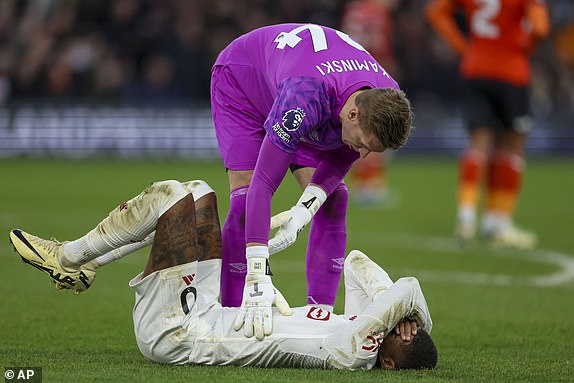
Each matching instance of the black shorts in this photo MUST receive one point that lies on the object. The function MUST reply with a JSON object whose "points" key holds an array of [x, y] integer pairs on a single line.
{"points": [[497, 105]]}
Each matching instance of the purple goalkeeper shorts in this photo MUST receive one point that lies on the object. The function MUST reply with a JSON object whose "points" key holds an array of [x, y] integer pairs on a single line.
{"points": [[239, 126]]}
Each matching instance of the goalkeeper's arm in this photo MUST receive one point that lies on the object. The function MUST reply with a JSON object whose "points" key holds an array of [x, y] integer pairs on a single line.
{"points": [[329, 174]]}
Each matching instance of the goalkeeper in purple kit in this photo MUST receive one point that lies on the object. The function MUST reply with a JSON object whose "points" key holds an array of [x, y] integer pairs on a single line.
{"points": [[307, 98]]}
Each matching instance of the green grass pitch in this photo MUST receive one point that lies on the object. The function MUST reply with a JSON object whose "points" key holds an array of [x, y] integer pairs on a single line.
{"points": [[499, 316]]}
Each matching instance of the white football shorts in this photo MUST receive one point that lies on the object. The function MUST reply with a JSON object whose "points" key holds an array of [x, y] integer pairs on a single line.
{"points": [[169, 305]]}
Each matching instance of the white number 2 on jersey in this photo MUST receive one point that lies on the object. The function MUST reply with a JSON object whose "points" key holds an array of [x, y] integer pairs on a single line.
{"points": [[482, 22], [317, 36]]}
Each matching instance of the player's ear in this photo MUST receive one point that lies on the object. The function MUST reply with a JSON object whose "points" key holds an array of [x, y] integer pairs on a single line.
{"points": [[353, 113], [388, 363]]}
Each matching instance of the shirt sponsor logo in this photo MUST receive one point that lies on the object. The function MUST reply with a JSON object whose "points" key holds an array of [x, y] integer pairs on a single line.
{"points": [[281, 133], [293, 118], [317, 313]]}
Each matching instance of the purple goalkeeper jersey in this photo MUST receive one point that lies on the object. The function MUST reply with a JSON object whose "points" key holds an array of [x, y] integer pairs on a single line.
{"points": [[297, 77], [300, 76]]}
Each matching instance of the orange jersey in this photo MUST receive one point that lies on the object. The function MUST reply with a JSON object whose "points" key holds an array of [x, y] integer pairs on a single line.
{"points": [[501, 34]]}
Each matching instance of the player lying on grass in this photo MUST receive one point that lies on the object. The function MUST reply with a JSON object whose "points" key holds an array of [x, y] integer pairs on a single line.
{"points": [[178, 319]]}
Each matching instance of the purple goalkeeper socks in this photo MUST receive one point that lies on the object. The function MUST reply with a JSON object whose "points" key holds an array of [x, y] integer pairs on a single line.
{"points": [[326, 248], [234, 264]]}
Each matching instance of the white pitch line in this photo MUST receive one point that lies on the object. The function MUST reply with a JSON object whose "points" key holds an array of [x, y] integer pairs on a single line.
{"points": [[461, 277], [563, 261], [564, 276]]}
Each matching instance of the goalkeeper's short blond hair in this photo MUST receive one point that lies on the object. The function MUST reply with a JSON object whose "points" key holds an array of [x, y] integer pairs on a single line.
{"points": [[386, 113]]}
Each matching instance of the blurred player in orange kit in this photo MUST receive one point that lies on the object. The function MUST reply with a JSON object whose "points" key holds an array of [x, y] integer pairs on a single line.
{"points": [[369, 22], [495, 64]]}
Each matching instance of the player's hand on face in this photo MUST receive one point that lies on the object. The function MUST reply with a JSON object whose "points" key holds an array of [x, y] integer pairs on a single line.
{"points": [[406, 329], [255, 314]]}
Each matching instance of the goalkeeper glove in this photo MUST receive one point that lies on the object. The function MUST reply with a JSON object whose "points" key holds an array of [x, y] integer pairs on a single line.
{"points": [[255, 315], [290, 223]]}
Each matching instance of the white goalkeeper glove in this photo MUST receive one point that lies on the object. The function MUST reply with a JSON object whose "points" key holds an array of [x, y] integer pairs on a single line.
{"points": [[290, 223], [259, 294]]}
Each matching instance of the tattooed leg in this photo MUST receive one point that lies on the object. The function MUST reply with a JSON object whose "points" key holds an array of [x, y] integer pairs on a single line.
{"points": [[176, 237], [207, 277], [185, 233], [208, 230]]}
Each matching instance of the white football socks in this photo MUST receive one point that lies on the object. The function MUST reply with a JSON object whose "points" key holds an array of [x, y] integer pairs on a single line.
{"points": [[494, 222], [466, 214], [123, 251]]}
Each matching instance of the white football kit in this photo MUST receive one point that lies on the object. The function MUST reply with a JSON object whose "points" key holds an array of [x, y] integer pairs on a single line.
{"points": [[178, 320]]}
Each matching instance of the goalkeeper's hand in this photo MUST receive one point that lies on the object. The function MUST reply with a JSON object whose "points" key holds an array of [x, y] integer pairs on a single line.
{"points": [[291, 223], [259, 294]]}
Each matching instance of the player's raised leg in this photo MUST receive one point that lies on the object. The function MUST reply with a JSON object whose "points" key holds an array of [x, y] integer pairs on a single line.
{"points": [[68, 263], [197, 188]]}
